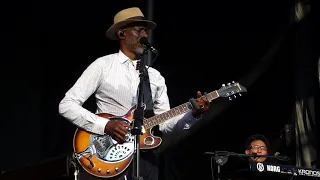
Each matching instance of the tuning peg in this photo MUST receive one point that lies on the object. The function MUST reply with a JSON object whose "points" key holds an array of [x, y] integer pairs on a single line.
{"points": [[223, 85], [229, 83], [233, 82], [240, 94], [234, 96], [230, 98]]}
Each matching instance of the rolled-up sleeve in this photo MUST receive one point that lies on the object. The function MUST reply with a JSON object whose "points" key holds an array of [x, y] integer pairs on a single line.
{"points": [[178, 123]]}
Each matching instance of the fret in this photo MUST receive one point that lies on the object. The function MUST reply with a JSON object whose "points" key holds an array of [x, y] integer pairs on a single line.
{"points": [[149, 124], [179, 109], [212, 95], [176, 110], [163, 116], [170, 114], [167, 115], [186, 107]]}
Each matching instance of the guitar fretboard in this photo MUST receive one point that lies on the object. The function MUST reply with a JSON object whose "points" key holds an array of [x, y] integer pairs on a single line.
{"points": [[176, 111]]}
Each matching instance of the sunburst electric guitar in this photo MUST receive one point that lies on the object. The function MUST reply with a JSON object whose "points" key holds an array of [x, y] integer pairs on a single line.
{"points": [[102, 156]]}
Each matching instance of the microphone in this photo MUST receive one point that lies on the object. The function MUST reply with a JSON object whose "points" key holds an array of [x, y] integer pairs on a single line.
{"points": [[144, 41]]}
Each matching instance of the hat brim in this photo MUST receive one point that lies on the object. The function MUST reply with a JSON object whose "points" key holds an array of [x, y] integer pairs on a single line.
{"points": [[111, 33]]}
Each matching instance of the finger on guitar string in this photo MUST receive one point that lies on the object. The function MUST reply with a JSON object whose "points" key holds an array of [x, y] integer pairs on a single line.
{"points": [[113, 125], [125, 126], [199, 94], [122, 130], [118, 129], [203, 104], [118, 137]]}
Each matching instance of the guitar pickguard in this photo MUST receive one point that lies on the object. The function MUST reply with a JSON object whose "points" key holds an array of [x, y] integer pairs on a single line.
{"points": [[107, 149], [118, 152]]}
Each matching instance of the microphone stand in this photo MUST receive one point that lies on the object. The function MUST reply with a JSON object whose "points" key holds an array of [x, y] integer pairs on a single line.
{"points": [[138, 117], [231, 154]]}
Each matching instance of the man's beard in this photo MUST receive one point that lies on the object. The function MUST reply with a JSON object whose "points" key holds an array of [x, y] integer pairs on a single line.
{"points": [[135, 46], [138, 51]]}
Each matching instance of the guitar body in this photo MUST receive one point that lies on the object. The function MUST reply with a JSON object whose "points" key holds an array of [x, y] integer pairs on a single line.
{"points": [[102, 156]]}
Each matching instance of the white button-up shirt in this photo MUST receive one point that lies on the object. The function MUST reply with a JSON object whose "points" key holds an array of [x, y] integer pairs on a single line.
{"points": [[114, 80]]}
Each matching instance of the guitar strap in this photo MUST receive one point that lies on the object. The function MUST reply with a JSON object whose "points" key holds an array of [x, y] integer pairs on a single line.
{"points": [[147, 96]]}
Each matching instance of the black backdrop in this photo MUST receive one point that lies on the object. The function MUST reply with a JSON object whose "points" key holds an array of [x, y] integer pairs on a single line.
{"points": [[201, 46]]}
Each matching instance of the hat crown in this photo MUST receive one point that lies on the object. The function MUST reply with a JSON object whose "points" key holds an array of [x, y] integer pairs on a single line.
{"points": [[126, 17], [126, 14]]}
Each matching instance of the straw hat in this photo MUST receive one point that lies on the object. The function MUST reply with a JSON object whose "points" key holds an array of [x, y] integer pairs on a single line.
{"points": [[126, 17]]}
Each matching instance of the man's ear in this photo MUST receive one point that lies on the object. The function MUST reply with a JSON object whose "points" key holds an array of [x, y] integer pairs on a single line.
{"points": [[121, 34], [247, 151]]}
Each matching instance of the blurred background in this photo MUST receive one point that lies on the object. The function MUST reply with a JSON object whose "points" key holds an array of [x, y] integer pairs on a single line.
{"points": [[270, 47]]}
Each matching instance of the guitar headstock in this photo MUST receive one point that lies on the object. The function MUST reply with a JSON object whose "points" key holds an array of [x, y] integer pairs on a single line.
{"points": [[231, 90]]}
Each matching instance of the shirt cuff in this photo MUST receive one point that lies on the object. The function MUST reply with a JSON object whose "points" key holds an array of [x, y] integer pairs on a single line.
{"points": [[198, 117], [191, 118], [100, 125]]}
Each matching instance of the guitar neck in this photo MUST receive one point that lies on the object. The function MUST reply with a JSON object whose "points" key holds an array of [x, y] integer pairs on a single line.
{"points": [[176, 111]]}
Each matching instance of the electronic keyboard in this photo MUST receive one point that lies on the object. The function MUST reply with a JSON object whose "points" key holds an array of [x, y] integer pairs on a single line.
{"points": [[284, 169]]}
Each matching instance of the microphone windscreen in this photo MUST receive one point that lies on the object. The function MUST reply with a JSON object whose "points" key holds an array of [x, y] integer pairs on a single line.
{"points": [[144, 41]]}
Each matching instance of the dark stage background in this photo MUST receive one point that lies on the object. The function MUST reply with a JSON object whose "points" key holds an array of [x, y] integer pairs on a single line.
{"points": [[47, 45]]}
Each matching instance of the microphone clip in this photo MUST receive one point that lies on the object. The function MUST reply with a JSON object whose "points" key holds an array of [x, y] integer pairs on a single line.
{"points": [[144, 41]]}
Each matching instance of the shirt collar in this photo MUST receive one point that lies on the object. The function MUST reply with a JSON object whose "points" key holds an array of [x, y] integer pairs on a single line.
{"points": [[123, 58]]}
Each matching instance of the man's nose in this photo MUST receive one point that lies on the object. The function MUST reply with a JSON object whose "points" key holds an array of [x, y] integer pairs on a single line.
{"points": [[144, 34], [259, 150]]}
